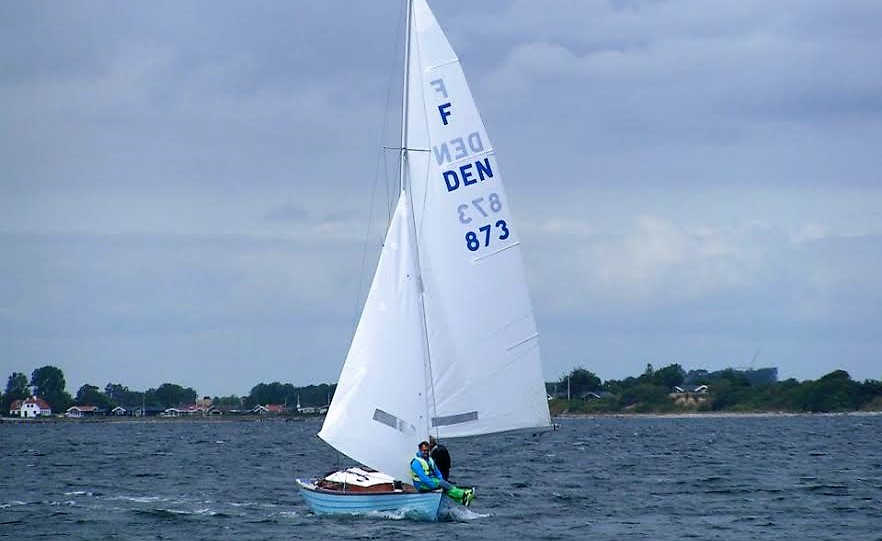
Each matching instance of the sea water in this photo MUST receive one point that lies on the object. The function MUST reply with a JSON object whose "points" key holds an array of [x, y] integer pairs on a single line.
{"points": [[732, 478]]}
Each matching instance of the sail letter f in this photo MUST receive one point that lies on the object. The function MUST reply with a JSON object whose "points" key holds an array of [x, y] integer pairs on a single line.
{"points": [[439, 87], [443, 110]]}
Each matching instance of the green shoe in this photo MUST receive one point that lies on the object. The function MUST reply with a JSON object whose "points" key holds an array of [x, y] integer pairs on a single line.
{"points": [[468, 496]]}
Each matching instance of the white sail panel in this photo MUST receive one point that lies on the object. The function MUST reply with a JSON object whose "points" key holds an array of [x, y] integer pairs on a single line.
{"points": [[379, 412], [483, 343]]}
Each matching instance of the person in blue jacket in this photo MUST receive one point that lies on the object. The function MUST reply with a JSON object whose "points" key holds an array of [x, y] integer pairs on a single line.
{"points": [[425, 475]]}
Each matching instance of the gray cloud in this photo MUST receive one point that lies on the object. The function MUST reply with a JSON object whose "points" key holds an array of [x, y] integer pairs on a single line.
{"points": [[287, 213], [691, 182]]}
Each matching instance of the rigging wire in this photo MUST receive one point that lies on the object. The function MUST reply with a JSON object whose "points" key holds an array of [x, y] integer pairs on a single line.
{"points": [[381, 160]]}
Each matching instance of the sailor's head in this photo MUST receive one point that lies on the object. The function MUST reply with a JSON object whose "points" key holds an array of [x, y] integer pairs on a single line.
{"points": [[424, 448], [432, 442]]}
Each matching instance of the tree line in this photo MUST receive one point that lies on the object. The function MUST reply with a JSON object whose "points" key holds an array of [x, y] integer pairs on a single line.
{"points": [[730, 390], [579, 391], [49, 384]]}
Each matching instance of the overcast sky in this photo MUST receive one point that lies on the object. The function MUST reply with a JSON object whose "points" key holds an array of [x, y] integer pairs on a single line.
{"points": [[185, 187]]}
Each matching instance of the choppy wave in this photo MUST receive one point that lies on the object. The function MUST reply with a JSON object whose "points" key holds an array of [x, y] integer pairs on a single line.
{"points": [[139, 499], [161, 513], [730, 478]]}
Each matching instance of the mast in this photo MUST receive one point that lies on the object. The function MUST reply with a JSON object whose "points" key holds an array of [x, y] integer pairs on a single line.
{"points": [[406, 188], [405, 94]]}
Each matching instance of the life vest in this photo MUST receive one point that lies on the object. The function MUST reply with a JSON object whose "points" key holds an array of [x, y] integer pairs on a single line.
{"points": [[428, 468]]}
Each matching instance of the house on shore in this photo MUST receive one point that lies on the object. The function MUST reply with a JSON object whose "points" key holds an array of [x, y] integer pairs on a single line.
{"points": [[30, 408], [79, 412], [190, 410], [149, 411], [230, 410], [697, 397], [312, 410], [270, 409]]}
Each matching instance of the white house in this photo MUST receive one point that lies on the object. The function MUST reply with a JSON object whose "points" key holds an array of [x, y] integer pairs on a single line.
{"points": [[272, 409], [82, 411], [310, 410], [30, 407], [189, 410]]}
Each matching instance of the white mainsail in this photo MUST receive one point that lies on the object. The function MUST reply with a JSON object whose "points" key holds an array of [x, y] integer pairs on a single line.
{"points": [[447, 343], [483, 343]]}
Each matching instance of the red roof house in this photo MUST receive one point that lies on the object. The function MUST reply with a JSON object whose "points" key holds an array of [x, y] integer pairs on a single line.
{"points": [[30, 407]]}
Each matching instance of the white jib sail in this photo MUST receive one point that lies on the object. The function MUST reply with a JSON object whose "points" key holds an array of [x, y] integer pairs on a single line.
{"points": [[485, 363], [379, 411]]}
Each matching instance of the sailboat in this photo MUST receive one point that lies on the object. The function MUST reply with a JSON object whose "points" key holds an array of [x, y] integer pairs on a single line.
{"points": [[447, 343]]}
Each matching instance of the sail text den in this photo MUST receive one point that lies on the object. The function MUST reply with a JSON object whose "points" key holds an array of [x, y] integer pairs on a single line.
{"points": [[468, 174]]}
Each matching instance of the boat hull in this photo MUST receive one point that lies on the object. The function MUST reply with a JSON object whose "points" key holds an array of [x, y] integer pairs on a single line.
{"points": [[417, 505]]}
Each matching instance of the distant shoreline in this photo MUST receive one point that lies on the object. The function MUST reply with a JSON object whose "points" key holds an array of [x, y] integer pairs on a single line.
{"points": [[157, 419], [717, 414], [301, 418]]}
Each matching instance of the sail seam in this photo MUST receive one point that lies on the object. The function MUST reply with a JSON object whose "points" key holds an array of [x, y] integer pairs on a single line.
{"points": [[522, 342], [470, 158], [441, 65], [504, 248], [408, 149]]}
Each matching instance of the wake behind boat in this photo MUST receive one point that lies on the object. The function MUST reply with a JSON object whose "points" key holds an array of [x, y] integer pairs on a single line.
{"points": [[447, 343]]}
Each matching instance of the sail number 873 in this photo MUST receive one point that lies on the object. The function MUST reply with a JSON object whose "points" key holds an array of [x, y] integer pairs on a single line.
{"points": [[473, 240]]}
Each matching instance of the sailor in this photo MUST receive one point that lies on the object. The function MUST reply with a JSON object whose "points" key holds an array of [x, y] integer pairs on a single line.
{"points": [[425, 475], [441, 457]]}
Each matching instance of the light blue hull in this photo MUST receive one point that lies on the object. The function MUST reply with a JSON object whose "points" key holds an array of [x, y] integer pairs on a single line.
{"points": [[422, 505]]}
